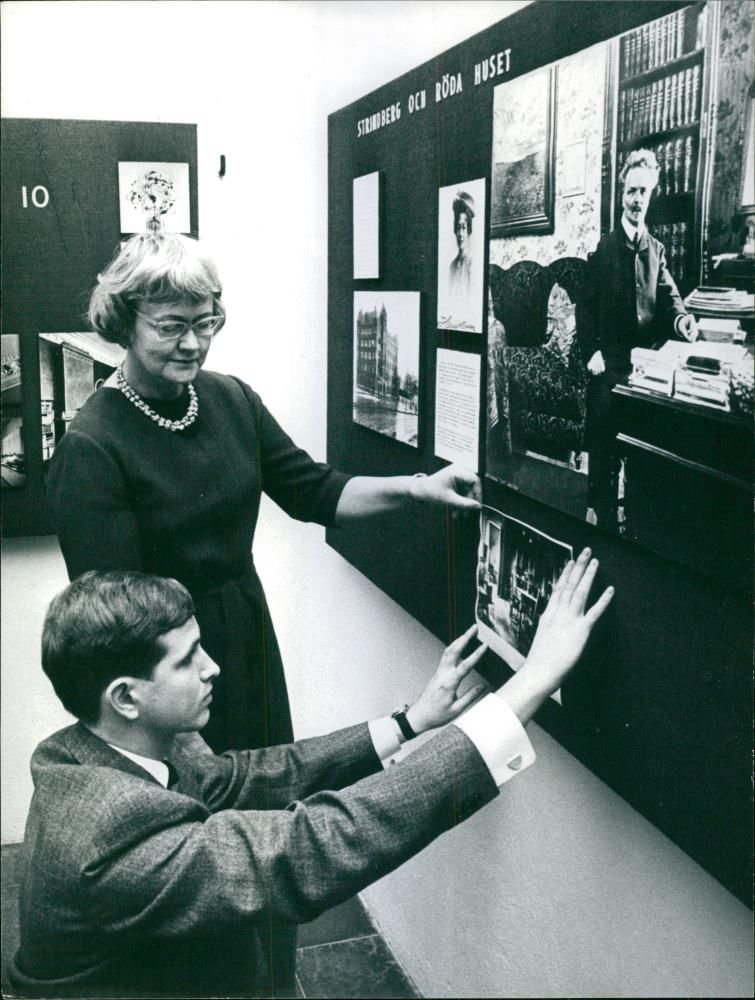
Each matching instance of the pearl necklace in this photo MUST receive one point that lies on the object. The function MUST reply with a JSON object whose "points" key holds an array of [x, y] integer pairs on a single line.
{"points": [[171, 425]]}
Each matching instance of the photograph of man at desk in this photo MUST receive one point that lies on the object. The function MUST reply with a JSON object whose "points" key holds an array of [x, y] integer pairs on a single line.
{"points": [[631, 300], [621, 373]]}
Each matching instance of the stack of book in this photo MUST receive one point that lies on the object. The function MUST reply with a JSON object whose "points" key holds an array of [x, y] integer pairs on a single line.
{"points": [[652, 371], [720, 330], [694, 382], [719, 300], [696, 373]]}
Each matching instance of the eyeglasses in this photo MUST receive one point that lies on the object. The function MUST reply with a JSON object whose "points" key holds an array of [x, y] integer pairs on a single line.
{"points": [[174, 329]]}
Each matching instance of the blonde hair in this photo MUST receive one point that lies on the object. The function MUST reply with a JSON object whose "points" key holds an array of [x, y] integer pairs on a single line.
{"points": [[640, 158], [155, 267]]}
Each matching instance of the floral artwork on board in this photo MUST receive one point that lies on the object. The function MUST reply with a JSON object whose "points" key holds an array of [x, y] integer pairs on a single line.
{"points": [[154, 197]]}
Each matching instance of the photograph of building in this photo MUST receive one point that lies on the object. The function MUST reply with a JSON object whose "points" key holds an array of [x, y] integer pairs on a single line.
{"points": [[386, 363], [377, 352]]}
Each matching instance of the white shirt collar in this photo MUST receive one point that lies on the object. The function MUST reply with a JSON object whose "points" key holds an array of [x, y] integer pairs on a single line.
{"points": [[157, 768], [630, 230]]}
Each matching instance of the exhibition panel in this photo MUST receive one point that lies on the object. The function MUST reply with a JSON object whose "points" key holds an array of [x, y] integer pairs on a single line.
{"points": [[508, 168]]}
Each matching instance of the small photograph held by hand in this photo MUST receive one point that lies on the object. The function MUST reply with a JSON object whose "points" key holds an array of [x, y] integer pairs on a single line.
{"points": [[517, 568]]}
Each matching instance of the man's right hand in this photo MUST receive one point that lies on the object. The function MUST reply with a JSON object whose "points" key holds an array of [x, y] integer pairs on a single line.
{"points": [[440, 702], [596, 365], [561, 636]]}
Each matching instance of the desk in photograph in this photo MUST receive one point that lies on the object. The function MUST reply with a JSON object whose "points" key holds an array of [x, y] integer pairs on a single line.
{"points": [[688, 482]]}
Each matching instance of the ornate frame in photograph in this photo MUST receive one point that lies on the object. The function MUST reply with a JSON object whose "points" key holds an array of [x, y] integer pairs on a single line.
{"points": [[523, 190]]}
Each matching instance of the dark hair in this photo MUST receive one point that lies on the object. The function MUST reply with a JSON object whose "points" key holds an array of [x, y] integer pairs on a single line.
{"points": [[463, 203], [104, 625], [155, 267], [461, 208]]}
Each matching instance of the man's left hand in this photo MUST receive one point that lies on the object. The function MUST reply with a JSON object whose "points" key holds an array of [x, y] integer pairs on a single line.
{"points": [[453, 486]]}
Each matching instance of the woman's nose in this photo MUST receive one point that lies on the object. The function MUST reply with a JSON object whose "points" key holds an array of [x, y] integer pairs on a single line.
{"points": [[189, 341]]}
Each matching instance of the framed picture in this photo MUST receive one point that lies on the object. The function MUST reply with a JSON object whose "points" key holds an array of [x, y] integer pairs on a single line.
{"points": [[574, 168], [517, 569], [367, 225], [524, 150], [154, 197], [461, 256], [386, 363]]}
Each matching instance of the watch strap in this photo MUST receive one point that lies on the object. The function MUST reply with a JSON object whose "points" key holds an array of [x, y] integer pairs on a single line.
{"points": [[403, 723]]}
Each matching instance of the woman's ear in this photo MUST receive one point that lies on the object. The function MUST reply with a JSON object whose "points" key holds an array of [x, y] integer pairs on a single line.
{"points": [[119, 695]]}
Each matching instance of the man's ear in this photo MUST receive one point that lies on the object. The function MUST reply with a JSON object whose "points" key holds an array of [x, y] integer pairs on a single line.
{"points": [[119, 695]]}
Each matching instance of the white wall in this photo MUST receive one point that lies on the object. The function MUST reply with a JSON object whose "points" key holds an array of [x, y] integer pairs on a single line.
{"points": [[558, 888], [33, 571]]}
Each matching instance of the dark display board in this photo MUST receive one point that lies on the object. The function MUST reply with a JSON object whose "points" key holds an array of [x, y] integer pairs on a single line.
{"points": [[61, 225], [660, 709]]}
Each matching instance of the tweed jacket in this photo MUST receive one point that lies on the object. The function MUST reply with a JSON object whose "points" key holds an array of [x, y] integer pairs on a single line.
{"points": [[131, 889], [631, 299]]}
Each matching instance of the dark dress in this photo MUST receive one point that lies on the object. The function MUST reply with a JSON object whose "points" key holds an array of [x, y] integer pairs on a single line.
{"points": [[128, 494]]}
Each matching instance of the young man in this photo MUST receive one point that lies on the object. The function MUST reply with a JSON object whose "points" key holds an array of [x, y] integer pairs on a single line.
{"points": [[156, 868], [631, 301]]}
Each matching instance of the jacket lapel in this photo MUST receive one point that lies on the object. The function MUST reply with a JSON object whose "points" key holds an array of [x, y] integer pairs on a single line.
{"points": [[86, 748]]}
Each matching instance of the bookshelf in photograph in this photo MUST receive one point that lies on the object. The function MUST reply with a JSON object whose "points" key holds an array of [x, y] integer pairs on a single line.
{"points": [[662, 94]]}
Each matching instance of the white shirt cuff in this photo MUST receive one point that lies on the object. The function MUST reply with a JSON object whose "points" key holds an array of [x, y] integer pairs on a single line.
{"points": [[499, 736], [384, 733]]}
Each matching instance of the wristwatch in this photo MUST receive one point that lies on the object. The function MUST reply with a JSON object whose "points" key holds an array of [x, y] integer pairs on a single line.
{"points": [[403, 723]]}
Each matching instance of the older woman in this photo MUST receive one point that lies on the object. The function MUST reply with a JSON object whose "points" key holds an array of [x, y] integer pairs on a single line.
{"points": [[162, 470]]}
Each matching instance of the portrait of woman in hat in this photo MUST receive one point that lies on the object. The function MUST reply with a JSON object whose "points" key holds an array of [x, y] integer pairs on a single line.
{"points": [[460, 301], [460, 270]]}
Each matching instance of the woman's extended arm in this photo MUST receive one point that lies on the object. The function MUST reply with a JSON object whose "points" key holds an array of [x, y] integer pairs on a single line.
{"points": [[453, 486]]}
